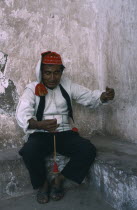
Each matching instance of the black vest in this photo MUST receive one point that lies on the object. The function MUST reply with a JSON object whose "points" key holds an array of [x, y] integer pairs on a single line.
{"points": [[41, 105]]}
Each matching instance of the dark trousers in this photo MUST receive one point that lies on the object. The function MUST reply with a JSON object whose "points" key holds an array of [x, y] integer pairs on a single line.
{"points": [[68, 143]]}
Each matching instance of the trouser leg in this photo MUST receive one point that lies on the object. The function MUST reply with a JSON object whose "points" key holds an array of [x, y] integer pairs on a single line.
{"points": [[34, 151], [81, 152]]}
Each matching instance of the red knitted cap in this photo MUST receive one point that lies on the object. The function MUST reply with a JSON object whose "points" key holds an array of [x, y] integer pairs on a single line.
{"points": [[51, 58]]}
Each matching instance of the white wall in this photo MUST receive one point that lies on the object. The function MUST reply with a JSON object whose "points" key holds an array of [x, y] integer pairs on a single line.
{"points": [[118, 26]]}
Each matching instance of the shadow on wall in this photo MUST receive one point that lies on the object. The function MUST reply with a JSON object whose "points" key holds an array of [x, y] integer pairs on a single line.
{"points": [[8, 93]]}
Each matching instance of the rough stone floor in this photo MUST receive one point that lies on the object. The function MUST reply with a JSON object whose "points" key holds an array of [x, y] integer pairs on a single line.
{"points": [[80, 198]]}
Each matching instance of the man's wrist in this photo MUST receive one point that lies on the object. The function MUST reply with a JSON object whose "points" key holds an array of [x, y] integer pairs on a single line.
{"points": [[104, 100], [34, 124]]}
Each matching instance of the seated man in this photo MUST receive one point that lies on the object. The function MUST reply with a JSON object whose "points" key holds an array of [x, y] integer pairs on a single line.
{"points": [[44, 111]]}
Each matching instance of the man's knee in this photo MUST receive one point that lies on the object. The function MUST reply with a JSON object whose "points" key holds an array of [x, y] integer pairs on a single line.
{"points": [[91, 150], [28, 153], [88, 149]]}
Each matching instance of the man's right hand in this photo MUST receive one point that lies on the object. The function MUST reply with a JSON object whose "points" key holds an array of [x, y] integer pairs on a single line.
{"points": [[48, 125]]}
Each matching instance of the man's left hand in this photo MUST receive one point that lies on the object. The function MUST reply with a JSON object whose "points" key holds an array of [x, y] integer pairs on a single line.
{"points": [[108, 95]]}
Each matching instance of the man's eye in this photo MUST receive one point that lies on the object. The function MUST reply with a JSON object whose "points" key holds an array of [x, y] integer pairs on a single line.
{"points": [[47, 73], [57, 72]]}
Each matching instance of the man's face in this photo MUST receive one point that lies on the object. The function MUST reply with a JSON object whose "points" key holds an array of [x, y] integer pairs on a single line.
{"points": [[51, 75]]}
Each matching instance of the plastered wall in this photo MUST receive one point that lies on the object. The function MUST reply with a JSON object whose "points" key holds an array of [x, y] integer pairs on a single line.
{"points": [[118, 26], [97, 41]]}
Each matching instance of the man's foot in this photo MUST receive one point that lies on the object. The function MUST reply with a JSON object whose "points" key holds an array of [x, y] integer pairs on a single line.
{"points": [[42, 197], [43, 194], [57, 190]]}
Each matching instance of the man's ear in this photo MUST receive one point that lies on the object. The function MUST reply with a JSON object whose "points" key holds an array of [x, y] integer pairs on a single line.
{"points": [[62, 68]]}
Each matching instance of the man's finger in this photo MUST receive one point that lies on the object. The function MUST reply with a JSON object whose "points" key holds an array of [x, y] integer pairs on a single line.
{"points": [[110, 96], [53, 129], [108, 89], [50, 122], [110, 93], [51, 126]]}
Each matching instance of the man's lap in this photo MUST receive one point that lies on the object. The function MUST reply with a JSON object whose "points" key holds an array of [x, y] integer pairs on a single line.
{"points": [[67, 142]]}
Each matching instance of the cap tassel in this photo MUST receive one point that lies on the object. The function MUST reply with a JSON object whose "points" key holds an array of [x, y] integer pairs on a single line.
{"points": [[55, 166]]}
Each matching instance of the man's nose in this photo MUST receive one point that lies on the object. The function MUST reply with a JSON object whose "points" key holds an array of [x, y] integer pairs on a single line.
{"points": [[52, 76]]}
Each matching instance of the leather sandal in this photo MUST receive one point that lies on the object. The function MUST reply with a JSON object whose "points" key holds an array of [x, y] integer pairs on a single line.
{"points": [[56, 193], [42, 197]]}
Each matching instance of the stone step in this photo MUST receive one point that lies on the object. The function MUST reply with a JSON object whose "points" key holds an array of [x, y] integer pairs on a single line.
{"points": [[114, 173], [82, 198], [14, 177]]}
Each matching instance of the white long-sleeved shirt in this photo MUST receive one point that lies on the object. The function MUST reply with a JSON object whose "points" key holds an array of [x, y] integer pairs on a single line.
{"points": [[55, 104]]}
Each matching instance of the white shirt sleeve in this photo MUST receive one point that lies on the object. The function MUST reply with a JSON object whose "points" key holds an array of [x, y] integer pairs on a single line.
{"points": [[26, 109], [85, 96]]}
